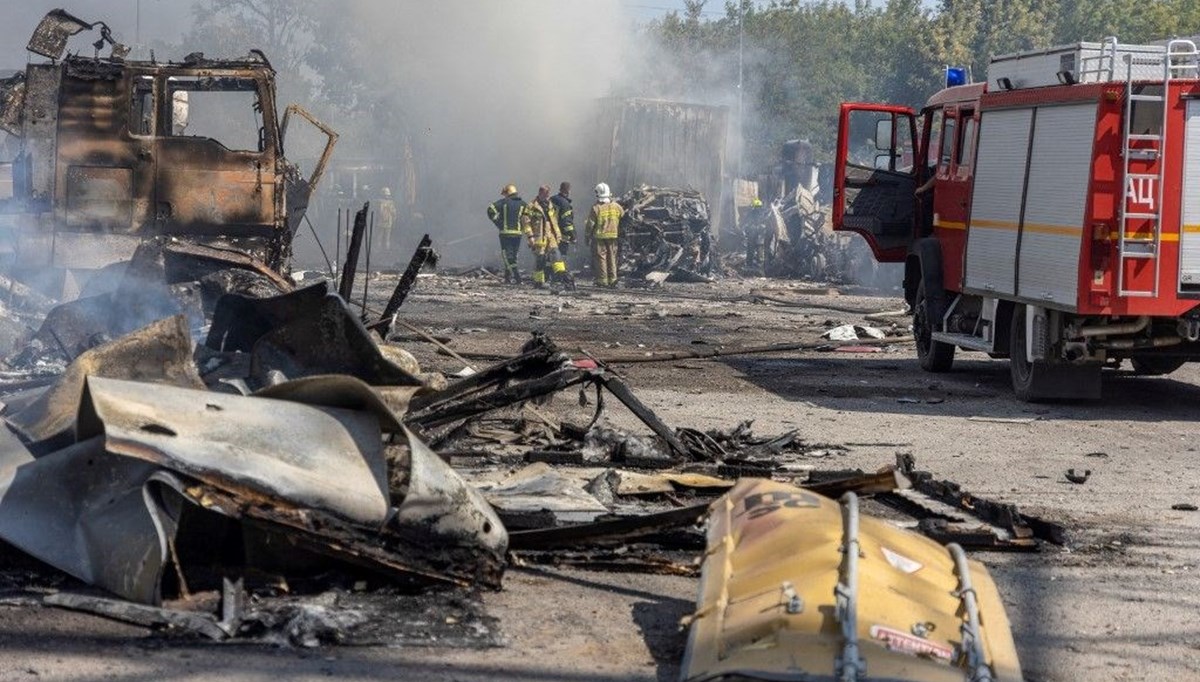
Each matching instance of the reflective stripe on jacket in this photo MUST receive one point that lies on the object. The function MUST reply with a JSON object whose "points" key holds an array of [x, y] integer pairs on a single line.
{"points": [[603, 220], [505, 214], [566, 214], [541, 225]]}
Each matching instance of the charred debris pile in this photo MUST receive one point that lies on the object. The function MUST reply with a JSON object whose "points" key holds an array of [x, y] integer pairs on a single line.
{"points": [[207, 448]]}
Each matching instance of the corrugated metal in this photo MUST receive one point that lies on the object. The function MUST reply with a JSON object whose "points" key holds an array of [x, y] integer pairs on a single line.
{"points": [[996, 203], [666, 144], [1189, 227], [1052, 231]]}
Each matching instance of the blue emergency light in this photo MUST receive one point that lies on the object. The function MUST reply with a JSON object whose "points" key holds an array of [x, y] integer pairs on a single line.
{"points": [[955, 75]]}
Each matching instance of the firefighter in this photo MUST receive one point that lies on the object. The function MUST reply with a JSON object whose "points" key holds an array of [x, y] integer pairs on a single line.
{"points": [[540, 221], [387, 217], [601, 233], [756, 237], [506, 213], [566, 217]]}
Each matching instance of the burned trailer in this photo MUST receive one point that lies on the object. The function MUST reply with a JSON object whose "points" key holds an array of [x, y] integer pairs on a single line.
{"points": [[112, 151]]}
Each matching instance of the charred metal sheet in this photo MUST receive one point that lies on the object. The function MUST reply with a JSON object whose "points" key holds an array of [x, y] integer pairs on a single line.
{"points": [[538, 496], [12, 101], [203, 624], [611, 531], [336, 390], [796, 587], [1001, 514], [238, 322], [439, 506], [350, 268], [160, 352], [50, 37], [176, 252], [87, 514], [305, 333], [424, 255], [323, 458]]}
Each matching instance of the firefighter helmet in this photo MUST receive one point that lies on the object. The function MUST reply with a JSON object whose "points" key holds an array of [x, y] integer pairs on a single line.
{"points": [[508, 189], [603, 192]]}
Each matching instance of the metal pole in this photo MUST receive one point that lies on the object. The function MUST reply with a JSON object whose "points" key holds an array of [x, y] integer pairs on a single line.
{"points": [[741, 72], [137, 28]]}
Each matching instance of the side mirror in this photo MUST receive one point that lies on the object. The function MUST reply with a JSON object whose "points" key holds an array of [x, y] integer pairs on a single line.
{"points": [[883, 134], [883, 162]]}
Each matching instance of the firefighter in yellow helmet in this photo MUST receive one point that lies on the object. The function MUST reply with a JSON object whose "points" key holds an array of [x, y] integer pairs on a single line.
{"points": [[601, 231], [506, 214], [540, 221]]}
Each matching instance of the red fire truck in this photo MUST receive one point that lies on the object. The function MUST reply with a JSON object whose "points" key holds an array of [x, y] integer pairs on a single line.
{"points": [[1052, 215]]}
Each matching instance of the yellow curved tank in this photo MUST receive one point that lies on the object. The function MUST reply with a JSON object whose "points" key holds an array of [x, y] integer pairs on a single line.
{"points": [[785, 596]]}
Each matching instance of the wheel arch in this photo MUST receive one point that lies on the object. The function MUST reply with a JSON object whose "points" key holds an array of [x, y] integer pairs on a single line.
{"points": [[924, 264]]}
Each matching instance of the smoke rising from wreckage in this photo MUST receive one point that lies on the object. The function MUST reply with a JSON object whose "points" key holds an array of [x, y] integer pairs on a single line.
{"points": [[201, 444]]}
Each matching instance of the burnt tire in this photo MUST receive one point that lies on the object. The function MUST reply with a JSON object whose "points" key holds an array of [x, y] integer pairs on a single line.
{"points": [[934, 356], [1037, 380], [1155, 365]]}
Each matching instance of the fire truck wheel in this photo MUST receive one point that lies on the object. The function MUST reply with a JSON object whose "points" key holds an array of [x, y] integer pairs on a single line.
{"points": [[1155, 365], [934, 356], [1037, 380]]}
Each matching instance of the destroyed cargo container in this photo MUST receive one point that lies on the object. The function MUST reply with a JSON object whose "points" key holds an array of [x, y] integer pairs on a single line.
{"points": [[664, 144], [105, 152]]}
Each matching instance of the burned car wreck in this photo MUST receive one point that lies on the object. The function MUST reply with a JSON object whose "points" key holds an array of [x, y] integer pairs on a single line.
{"points": [[105, 152]]}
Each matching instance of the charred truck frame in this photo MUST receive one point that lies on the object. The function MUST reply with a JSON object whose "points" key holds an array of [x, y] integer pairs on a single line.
{"points": [[110, 152], [1058, 217]]}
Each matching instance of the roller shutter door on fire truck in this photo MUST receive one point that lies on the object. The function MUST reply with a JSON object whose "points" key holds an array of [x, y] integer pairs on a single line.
{"points": [[1028, 205], [1189, 239]]}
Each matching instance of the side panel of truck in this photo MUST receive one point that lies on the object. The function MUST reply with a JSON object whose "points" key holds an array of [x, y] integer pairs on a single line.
{"points": [[996, 211], [1052, 227], [1189, 238]]}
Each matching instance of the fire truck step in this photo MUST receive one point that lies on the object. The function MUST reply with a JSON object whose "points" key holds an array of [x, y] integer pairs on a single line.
{"points": [[966, 341], [1138, 254], [1146, 138], [1141, 216], [1143, 154], [1146, 98]]}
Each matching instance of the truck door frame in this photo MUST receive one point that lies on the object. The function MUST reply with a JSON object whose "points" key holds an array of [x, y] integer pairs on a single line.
{"points": [[884, 197]]}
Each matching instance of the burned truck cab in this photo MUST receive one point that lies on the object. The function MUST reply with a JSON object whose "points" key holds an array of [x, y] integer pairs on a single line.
{"points": [[111, 152]]}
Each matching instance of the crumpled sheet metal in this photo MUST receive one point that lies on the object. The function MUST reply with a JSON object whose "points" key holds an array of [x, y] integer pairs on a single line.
{"points": [[49, 39], [159, 352], [86, 513], [306, 332], [766, 609], [105, 509], [318, 457]]}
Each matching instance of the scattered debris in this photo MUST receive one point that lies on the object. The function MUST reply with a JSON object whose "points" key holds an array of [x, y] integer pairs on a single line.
{"points": [[666, 236], [853, 332], [1078, 478], [1184, 506]]}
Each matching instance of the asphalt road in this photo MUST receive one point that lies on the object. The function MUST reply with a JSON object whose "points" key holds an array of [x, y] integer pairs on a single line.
{"points": [[1118, 604]]}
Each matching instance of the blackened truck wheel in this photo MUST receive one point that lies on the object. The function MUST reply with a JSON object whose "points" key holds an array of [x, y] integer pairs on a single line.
{"points": [[934, 356]]}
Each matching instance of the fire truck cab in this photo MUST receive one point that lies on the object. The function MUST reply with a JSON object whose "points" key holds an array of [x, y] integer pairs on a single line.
{"points": [[1050, 215]]}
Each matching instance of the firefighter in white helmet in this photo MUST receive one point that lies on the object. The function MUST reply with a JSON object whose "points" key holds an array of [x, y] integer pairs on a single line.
{"points": [[601, 232]]}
